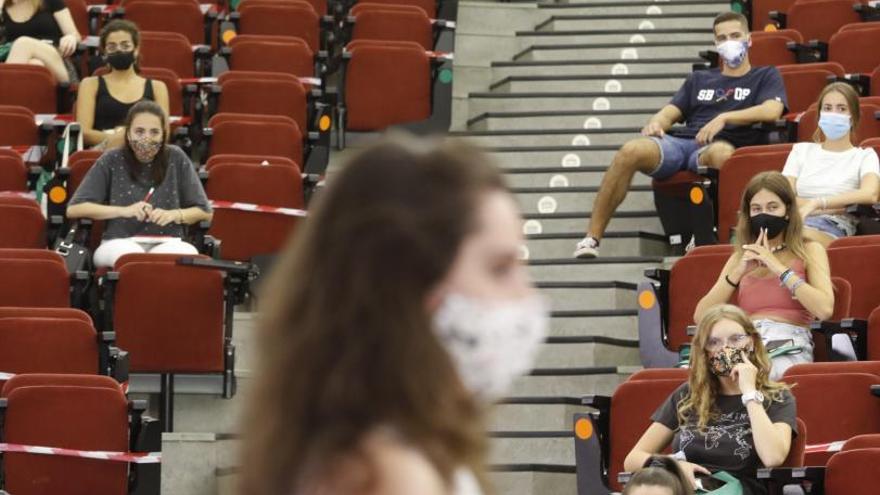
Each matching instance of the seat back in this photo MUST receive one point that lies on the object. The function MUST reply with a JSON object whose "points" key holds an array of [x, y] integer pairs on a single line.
{"points": [[631, 408], [29, 86], [874, 329], [875, 81], [836, 367], [80, 163], [246, 234], [386, 85], [853, 472], [711, 249], [803, 85], [249, 160], [80, 13], [261, 137], [761, 12], [73, 417], [870, 441], [797, 451], [172, 82], [319, 6], [58, 379], [166, 50], [374, 22], [17, 127], [13, 172], [33, 278], [771, 49], [22, 226], [284, 54], [297, 19], [857, 411], [680, 374], [428, 6], [169, 16], [820, 19], [732, 180], [264, 93], [849, 263], [47, 345], [855, 49], [858, 240], [187, 335], [690, 279]]}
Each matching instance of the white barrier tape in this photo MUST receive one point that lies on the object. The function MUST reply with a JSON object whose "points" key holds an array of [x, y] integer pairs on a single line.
{"points": [[6, 376], [314, 81], [824, 447], [132, 457], [231, 205]]}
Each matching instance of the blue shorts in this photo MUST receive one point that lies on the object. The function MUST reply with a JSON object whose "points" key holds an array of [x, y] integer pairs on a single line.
{"points": [[825, 225], [676, 155]]}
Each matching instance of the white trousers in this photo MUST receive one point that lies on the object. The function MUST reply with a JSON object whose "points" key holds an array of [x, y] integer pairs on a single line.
{"points": [[111, 250]]}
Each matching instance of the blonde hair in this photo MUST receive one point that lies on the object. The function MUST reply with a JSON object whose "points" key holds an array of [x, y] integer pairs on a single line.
{"points": [[852, 101], [704, 386], [793, 235]]}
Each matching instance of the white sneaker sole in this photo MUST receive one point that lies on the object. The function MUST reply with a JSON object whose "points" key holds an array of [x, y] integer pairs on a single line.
{"points": [[586, 252]]}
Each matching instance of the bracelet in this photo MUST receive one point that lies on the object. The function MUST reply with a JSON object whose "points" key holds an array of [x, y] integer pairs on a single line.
{"points": [[784, 275], [735, 286], [180, 212], [794, 286]]}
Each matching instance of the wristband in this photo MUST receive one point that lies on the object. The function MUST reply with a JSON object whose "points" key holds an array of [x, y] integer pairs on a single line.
{"points": [[735, 286], [784, 275], [794, 286]]}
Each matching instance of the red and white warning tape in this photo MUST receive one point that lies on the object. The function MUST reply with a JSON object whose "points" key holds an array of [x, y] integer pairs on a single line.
{"points": [[824, 447], [232, 205], [132, 457], [6, 376], [18, 194]]}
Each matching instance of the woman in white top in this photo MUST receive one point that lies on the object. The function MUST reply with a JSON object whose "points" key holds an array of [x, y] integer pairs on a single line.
{"points": [[376, 370], [832, 173]]}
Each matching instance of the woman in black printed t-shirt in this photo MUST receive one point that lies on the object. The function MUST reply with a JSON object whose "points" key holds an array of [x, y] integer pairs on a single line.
{"points": [[728, 416], [28, 24]]}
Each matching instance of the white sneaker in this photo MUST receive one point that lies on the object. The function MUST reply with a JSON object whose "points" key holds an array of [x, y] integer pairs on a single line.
{"points": [[690, 245], [587, 248]]}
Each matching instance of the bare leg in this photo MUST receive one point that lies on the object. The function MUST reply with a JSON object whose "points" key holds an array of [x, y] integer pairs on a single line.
{"points": [[822, 238], [638, 155], [716, 154], [27, 50]]}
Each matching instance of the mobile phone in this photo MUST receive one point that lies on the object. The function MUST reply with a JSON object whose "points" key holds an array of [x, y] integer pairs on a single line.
{"points": [[708, 483], [776, 344]]}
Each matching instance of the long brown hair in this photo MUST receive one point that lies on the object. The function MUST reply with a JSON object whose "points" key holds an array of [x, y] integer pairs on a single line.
{"points": [[346, 343], [793, 235], [160, 164], [124, 26], [852, 101], [704, 386]]}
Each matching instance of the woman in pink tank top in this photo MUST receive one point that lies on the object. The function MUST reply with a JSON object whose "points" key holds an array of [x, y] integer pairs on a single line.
{"points": [[775, 275]]}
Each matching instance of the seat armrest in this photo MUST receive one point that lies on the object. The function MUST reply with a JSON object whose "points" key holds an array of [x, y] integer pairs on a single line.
{"points": [[867, 12], [875, 390], [658, 274], [811, 51], [779, 18], [856, 329], [783, 476]]}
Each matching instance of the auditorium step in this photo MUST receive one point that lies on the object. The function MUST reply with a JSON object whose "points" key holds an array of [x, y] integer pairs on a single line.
{"points": [[571, 381], [597, 83], [560, 245], [551, 200], [649, 9], [573, 221], [522, 447], [536, 413], [559, 22], [623, 268], [632, 36], [564, 156], [564, 100], [613, 323], [534, 479], [562, 177], [623, 51], [572, 119], [574, 296], [607, 67]]}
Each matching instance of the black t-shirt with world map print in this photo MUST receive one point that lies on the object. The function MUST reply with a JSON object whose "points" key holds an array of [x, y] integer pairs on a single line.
{"points": [[727, 443]]}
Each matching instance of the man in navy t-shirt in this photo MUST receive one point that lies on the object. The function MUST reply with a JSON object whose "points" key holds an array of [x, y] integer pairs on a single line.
{"points": [[718, 108]]}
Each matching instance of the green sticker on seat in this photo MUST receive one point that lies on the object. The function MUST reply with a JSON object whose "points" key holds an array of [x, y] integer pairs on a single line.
{"points": [[736, 7], [446, 76]]}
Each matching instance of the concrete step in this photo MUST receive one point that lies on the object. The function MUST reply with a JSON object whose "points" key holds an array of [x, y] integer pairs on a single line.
{"points": [[535, 414], [602, 83], [190, 462], [625, 269], [551, 200], [649, 9], [622, 51], [579, 352], [551, 137], [613, 323], [613, 66], [551, 245], [535, 479], [562, 177], [556, 447], [570, 381], [618, 21], [580, 296], [559, 100], [508, 121], [576, 222], [573, 157], [632, 36]]}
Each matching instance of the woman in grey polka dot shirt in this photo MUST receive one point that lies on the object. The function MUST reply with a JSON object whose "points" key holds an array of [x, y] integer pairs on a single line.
{"points": [[146, 190]]}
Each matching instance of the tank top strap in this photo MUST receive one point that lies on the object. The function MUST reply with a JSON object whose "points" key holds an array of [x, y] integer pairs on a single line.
{"points": [[102, 87], [148, 90]]}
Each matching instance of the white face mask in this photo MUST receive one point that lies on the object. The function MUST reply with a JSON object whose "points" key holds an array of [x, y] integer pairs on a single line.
{"points": [[491, 344], [733, 52]]}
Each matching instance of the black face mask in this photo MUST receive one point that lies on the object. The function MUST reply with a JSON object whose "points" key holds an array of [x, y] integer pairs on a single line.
{"points": [[774, 225], [120, 60]]}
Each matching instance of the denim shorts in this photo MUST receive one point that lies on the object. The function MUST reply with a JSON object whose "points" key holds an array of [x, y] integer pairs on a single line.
{"points": [[676, 155], [774, 330], [825, 225]]}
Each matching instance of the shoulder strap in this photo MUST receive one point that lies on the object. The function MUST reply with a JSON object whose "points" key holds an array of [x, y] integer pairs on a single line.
{"points": [[148, 90], [102, 85]]}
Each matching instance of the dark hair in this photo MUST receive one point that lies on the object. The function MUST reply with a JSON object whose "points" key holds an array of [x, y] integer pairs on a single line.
{"points": [[852, 101], [660, 470], [121, 25], [160, 164], [347, 345], [731, 16]]}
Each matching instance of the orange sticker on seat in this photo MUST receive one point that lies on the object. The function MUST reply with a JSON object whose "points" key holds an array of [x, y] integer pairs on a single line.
{"points": [[583, 428], [647, 299]]}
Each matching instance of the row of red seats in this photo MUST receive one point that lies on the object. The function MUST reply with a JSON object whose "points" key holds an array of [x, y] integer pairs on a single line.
{"points": [[603, 439]]}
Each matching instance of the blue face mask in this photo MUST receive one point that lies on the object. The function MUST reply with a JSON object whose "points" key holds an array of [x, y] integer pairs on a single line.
{"points": [[733, 52], [834, 125]]}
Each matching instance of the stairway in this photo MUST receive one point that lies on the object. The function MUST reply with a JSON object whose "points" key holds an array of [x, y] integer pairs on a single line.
{"points": [[571, 83], [551, 90]]}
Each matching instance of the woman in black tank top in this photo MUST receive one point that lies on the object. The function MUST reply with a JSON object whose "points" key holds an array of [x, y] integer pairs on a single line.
{"points": [[104, 101]]}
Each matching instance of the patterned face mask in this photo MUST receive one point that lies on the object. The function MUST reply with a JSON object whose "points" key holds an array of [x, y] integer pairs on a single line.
{"points": [[144, 149], [491, 343], [723, 360]]}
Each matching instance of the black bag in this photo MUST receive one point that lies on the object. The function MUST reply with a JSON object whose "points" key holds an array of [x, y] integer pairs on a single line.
{"points": [[76, 256]]}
